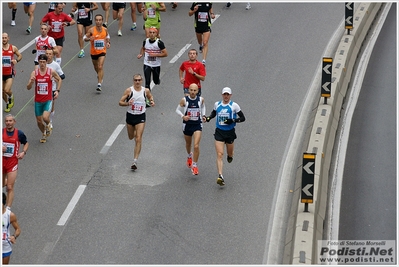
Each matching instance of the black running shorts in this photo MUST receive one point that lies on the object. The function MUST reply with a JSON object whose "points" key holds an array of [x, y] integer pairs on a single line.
{"points": [[117, 6], [135, 119], [225, 136], [189, 129]]}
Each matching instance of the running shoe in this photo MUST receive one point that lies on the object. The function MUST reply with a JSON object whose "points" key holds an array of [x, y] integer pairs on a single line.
{"points": [[7, 108], [220, 180], [119, 33], [174, 5], [48, 130], [248, 6], [203, 62], [189, 162], [13, 23], [81, 54], [134, 166], [98, 87], [105, 25], [51, 126], [228, 4], [200, 48], [194, 170], [29, 30], [134, 27], [43, 139], [229, 159], [11, 101]]}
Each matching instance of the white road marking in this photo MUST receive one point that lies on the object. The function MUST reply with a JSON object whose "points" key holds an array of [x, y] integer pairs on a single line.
{"points": [[27, 46], [71, 205], [175, 58], [112, 138], [181, 52]]}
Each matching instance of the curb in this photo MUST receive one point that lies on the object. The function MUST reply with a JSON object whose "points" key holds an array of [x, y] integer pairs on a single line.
{"points": [[306, 228]]}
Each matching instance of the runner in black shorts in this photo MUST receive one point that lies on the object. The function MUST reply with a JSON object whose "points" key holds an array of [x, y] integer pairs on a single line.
{"points": [[203, 13], [191, 109], [118, 8], [84, 21], [133, 99], [227, 114], [8, 68]]}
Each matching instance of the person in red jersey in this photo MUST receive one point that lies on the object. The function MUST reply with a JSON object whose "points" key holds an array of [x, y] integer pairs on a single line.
{"points": [[12, 140], [57, 20], [44, 77], [8, 70], [193, 70]]}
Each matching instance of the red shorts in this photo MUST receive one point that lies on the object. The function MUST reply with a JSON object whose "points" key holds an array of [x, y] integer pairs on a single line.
{"points": [[10, 164]]}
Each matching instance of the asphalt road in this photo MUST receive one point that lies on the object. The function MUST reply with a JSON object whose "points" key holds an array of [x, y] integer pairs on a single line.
{"points": [[369, 196], [161, 214]]}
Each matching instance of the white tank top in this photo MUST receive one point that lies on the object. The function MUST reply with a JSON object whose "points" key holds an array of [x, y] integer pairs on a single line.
{"points": [[152, 48], [138, 106], [6, 231]]}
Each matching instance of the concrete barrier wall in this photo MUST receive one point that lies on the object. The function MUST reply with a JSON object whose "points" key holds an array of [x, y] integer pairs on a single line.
{"points": [[306, 228]]}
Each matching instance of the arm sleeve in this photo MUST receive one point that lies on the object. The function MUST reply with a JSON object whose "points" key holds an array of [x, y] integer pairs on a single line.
{"points": [[203, 109], [241, 117], [213, 114], [180, 110]]}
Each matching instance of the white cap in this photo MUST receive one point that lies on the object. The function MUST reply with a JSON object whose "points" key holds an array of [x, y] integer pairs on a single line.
{"points": [[226, 90]]}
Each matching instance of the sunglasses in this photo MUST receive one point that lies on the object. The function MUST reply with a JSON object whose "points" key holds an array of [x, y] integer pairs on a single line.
{"points": [[137, 80]]}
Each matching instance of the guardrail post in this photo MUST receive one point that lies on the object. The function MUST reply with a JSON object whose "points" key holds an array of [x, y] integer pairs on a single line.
{"points": [[308, 167], [349, 16], [326, 78]]}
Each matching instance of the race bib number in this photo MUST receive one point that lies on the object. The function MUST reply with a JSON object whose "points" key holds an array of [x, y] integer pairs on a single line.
{"points": [[7, 61], [193, 113], [42, 89], [222, 117], [151, 13], [10, 148], [99, 44], [137, 107], [202, 16], [83, 14], [57, 26]]}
